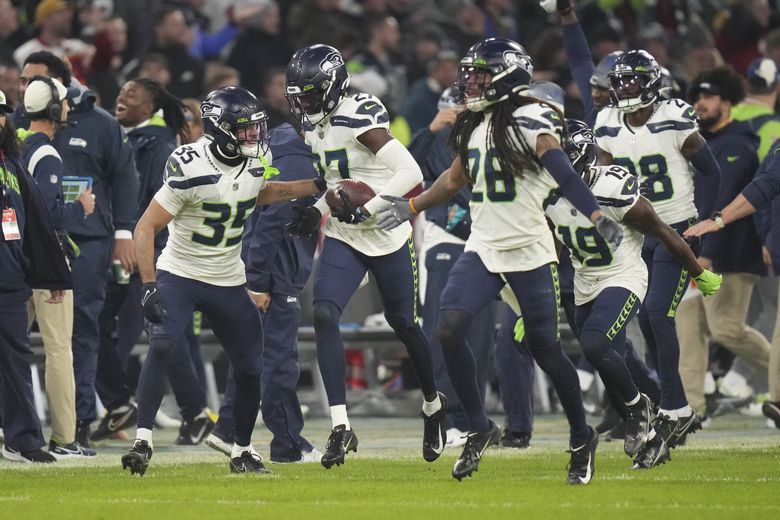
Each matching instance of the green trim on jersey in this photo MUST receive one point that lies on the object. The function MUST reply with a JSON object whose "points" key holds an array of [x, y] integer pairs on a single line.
{"points": [[415, 274], [625, 313], [557, 285], [682, 284]]}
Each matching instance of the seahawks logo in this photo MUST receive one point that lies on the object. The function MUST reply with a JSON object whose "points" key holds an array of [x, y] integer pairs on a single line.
{"points": [[210, 110], [331, 62], [515, 58]]}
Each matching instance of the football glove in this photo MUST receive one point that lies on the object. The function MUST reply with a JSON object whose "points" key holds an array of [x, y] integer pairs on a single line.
{"points": [[395, 214], [610, 230], [708, 282], [552, 6], [307, 221], [519, 330], [350, 213], [150, 300]]}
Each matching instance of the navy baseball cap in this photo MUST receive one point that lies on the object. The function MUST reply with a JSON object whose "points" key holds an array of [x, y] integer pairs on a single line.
{"points": [[762, 74]]}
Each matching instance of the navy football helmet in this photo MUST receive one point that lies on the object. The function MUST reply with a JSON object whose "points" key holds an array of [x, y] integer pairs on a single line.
{"points": [[634, 81], [548, 91], [316, 79], [492, 70], [580, 145], [599, 78], [234, 118]]}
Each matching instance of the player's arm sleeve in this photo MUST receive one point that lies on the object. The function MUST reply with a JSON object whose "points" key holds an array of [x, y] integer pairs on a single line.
{"points": [[406, 173], [766, 186], [269, 230], [62, 214], [124, 180], [581, 66]]}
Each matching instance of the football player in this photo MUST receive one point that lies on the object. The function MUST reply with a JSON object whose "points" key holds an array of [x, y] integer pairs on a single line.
{"points": [[509, 148], [609, 286], [657, 140], [349, 138], [209, 190]]}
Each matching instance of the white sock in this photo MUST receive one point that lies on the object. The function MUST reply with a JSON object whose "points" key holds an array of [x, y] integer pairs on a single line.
{"points": [[431, 407], [144, 434], [635, 400], [671, 414], [586, 379], [685, 411], [237, 450], [338, 415]]}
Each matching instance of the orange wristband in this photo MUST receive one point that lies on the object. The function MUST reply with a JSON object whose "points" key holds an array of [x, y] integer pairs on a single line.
{"points": [[411, 205]]}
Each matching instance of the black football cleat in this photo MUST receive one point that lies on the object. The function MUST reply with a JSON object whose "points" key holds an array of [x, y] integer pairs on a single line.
{"points": [[194, 431], [476, 444], [340, 442], [582, 464], [654, 453], [771, 409], [137, 459], [248, 462], [686, 426], [637, 425], [434, 434], [519, 440], [115, 421]]}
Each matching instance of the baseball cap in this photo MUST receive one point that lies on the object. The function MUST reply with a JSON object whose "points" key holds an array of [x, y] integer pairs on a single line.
{"points": [[38, 95], [762, 74], [706, 87], [4, 106], [48, 7]]}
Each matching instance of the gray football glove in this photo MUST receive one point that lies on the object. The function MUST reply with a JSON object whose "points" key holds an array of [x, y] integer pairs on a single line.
{"points": [[395, 214]]}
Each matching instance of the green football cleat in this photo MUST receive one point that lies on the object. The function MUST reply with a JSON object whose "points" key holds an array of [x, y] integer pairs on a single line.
{"points": [[708, 282]]}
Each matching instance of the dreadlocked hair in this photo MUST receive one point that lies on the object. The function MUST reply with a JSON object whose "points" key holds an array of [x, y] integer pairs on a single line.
{"points": [[172, 107], [514, 155]]}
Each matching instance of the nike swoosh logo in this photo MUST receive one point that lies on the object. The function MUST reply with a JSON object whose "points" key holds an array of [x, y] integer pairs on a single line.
{"points": [[370, 106], [194, 439], [732, 158], [588, 474], [441, 444], [630, 185], [114, 425]]}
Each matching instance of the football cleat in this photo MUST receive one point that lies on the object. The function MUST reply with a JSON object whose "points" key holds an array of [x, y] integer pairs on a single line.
{"points": [[137, 459], [434, 435], [637, 425], [314, 455], [28, 457], [340, 442], [192, 432], [74, 449], [675, 432], [520, 440], [115, 421], [582, 464], [771, 409], [476, 444], [215, 442], [248, 462], [654, 453]]}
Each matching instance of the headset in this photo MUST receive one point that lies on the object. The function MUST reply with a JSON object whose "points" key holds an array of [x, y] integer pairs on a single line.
{"points": [[53, 109]]}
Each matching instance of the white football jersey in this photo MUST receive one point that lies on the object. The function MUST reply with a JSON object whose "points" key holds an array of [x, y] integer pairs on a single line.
{"points": [[654, 151], [509, 231], [210, 203], [595, 266], [339, 155]]}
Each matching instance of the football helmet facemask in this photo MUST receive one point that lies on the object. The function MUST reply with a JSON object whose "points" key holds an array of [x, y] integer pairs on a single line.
{"points": [[316, 79], [580, 145], [634, 81], [235, 120], [492, 70]]}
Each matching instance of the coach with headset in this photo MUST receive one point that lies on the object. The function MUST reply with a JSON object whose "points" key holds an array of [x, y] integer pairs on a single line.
{"points": [[46, 106]]}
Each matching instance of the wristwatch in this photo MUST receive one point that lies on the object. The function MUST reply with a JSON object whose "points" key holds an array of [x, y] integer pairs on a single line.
{"points": [[716, 216]]}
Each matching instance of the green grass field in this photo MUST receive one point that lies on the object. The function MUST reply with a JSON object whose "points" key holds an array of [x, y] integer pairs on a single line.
{"points": [[732, 470]]}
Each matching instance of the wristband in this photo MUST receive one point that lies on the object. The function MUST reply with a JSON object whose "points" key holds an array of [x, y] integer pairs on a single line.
{"points": [[411, 205]]}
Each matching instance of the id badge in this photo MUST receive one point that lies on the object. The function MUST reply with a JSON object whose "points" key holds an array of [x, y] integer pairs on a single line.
{"points": [[10, 225]]}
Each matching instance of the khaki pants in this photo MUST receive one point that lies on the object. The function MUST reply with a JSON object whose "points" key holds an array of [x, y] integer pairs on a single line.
{"points": [[721, 317], [774, 361], [55, 321]]}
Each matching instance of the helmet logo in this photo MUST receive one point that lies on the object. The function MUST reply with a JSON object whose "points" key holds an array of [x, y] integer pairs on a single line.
{"points": [[210, 110], [480, 61], [332, 61], [512, 58], [242, 120]]}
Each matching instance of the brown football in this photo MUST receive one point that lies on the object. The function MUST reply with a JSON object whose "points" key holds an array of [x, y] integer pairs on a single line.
{"points": [[358, 191]]}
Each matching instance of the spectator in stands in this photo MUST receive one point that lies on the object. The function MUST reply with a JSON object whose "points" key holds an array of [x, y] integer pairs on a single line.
{"points": [[53, 20], [153, 119], [194, 128], [12, 34], [206, 45], [277, 267], [420, 105], [318, 21], [758, 108], [499, 19], [96, 147], [46, 105], [28, 234], [173, 38], [378, 61], [9, 82], [735, 252], [426, 44], [155, 67], [218, 75], [260, 47], [111, 55], [274, 100], [738, 38]]}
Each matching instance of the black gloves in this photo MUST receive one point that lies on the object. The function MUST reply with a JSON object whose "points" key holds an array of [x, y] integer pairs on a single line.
{"points": [[306, 221], [150, 300], [350, 213]]}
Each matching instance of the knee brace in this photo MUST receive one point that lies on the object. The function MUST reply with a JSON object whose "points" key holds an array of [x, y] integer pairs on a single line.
{"points": [[163, 348], [326, 314]]}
